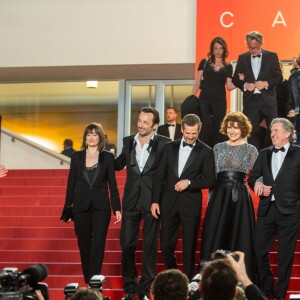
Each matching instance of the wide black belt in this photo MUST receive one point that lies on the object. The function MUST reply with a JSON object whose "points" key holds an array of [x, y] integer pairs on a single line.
{"points": [[236, 178]]}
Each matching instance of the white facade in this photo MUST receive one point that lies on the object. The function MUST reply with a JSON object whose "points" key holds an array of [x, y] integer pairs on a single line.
{"points": [[96, 32]]}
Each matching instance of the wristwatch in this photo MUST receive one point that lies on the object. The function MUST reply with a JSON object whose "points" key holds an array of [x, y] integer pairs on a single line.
{"points": [[188, 182]]}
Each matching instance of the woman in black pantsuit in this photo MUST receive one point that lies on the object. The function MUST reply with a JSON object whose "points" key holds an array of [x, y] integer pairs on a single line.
{"points": [[91, 180]]}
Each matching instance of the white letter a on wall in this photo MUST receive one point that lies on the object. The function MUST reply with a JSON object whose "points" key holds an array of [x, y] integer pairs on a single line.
{"points": [[279, 19]]}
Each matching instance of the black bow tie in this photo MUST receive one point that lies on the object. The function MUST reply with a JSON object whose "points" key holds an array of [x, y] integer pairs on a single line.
{"points": [[171, 125], [258, 56], [278, 149], [186, 144]]}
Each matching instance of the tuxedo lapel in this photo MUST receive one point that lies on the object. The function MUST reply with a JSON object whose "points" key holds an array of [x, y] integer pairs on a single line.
{"points": [[262, 66], [152, 155], [178, 133], [287, 159], [83, 167], [132, 152], [269, 160], [166, 130], [250, 68], [133, 163], [175, 155], [193, 157]]}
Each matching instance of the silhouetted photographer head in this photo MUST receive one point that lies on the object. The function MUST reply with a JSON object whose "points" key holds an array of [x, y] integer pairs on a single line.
{"points": [[219, 280], [170, 284], [87, 294]]}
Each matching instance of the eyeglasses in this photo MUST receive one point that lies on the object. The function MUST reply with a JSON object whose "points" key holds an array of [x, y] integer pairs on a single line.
{"points": [[253, 48]]}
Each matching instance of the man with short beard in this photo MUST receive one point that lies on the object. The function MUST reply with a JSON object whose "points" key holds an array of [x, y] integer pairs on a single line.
{"points": [[141, 155]]}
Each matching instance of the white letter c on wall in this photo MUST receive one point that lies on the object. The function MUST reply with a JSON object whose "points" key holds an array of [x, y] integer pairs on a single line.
{"points": [[222, 19]]}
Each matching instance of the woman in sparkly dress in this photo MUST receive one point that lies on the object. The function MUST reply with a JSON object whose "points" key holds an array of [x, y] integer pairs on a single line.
{"points": [[229, 220]]}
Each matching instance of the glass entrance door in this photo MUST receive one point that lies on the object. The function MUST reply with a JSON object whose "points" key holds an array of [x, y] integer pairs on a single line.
{"points": [[160, 94]]}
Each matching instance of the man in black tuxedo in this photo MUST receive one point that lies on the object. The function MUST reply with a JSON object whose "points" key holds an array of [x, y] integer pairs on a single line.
{"points": [[141, 154], [171, 129], [261, 73], [68, 148], [275, 177], [186, 167]]}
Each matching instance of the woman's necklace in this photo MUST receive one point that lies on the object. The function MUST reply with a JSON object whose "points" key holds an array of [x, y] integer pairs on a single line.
{"points": [[218, 65]]}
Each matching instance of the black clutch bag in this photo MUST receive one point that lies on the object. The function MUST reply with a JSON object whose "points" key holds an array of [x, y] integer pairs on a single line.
{"points": [[67, 214]]}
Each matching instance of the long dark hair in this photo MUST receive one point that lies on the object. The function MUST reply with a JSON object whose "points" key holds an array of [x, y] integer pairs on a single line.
{"points": [[211, 56]]}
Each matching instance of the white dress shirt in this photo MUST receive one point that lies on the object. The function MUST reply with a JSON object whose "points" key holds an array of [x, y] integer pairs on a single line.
{"points": [[172, 131], [276, 162], [142, 153], [184, 153], [256, 64]]}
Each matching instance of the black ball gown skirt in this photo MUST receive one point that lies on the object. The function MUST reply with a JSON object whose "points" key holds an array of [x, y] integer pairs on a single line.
{"points": [[229, 220]]}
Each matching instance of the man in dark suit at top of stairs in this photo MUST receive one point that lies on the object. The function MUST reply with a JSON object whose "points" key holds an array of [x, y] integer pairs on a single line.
{"points": [[171, 129]]}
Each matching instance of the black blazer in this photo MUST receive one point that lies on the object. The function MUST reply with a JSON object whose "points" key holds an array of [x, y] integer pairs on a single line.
{"points": [[68, 152], [139, 183], [81, 192], [285, 187], [270, 71], [164, 130], [199, 169]]}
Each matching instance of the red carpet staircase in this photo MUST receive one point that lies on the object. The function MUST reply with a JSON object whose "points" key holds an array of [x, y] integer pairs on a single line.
{"points": [[30, 233]]}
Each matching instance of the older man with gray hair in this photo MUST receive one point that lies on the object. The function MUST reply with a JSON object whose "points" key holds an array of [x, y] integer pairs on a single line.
{"points": [[261, 73], [275, 178]]}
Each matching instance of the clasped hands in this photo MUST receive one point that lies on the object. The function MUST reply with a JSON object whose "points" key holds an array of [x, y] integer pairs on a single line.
{"points": [[260, 85], [262, 190]]}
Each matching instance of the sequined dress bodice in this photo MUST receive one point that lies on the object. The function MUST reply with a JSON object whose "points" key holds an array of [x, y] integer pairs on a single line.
{"points": [[234, 158]]}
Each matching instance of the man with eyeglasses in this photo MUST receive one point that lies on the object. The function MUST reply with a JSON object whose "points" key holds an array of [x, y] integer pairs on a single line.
{"points": [[262, 73]]}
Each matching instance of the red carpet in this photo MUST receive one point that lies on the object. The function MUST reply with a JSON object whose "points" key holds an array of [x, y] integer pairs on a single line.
{"points": [[30, 233]]}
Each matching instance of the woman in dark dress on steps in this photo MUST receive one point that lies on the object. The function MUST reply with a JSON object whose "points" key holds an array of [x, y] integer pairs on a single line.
{"points": [[229, 220], [214, 74], [91, 192]]}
